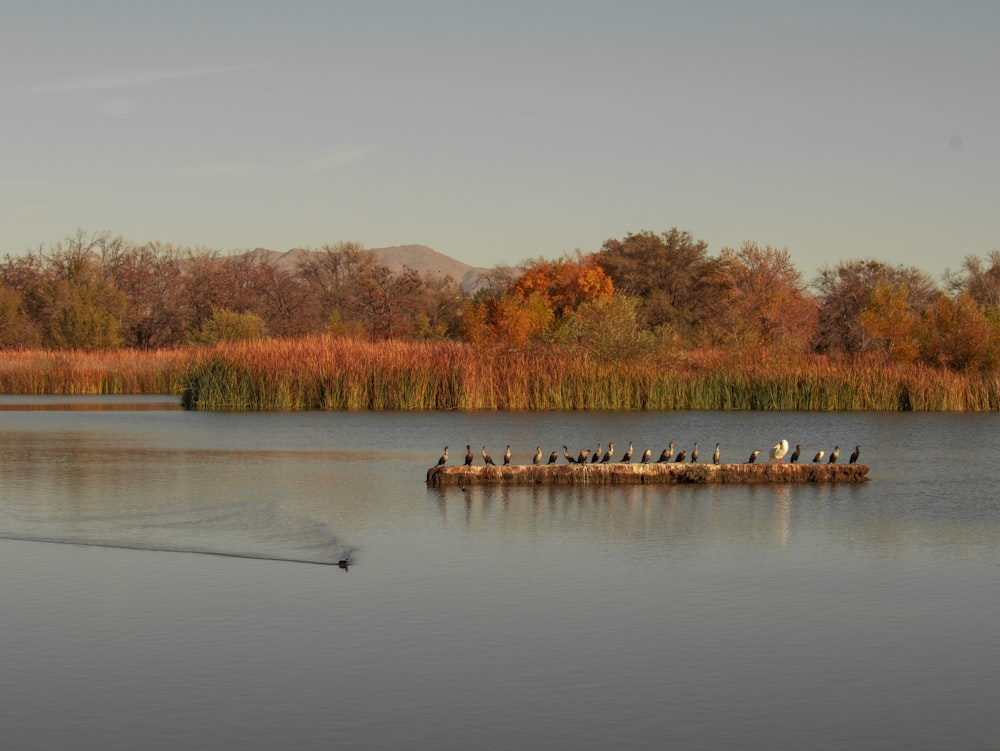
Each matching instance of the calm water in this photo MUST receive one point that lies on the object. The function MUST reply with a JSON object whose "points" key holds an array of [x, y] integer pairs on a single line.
{"points": [[167, 584]]}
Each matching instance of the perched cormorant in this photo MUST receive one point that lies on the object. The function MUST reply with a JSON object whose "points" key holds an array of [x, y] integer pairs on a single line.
{"points": [[487, 458], [681, 456], [468, 455], [796, 453], [444, 457], [537, 458], [717, 455], [819, 455], [553, 457], [597, 456], [609, 453], [646, 456], [627, 456], [569, 456], [506, 455], [833, 455], [582, 458], [855, 455], [668, 453], [694, 453], [779, 450], [753, 456]]}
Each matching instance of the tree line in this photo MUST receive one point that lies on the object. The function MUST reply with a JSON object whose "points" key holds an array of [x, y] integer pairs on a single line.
{"points": [[639, 296]]}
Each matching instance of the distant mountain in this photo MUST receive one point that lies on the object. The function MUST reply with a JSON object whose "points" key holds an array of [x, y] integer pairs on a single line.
{"points": [[420, 258]]}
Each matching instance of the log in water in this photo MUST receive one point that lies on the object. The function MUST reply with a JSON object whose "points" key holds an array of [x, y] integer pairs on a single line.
{"points": [[666, 474]]}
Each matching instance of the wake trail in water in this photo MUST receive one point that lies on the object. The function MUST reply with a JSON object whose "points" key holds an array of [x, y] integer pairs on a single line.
{"points": [[188, 551]]}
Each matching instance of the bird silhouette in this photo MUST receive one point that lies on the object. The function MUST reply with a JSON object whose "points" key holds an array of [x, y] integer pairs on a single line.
{"points": [[597, 456], [818, 457], [717, 455], [444, 457], [582, 458], [487, 458], [834, 455], [468, 456], [553, 457], [855, 455], [569, 456], [627, 456], [667, 454], [753, 456], [795, 454], [694, 453], [506, 455], [609, 453], [646, 455], [681, 456], [537, 458]]}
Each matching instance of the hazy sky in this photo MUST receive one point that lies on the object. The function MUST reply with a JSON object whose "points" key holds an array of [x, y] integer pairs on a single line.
{"points": [[499, 131]]}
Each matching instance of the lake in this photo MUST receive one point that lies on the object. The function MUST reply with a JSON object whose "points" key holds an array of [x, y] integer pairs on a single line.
{"points": [[170, 581]]}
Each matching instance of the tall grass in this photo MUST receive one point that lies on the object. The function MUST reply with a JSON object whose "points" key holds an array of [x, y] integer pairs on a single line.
{"points": [[342, 374]]}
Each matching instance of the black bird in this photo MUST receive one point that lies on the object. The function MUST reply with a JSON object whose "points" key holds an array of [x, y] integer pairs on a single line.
{"points": [[717, 455], [537, 458], [668, 453], [627, 456], [553, 457], [597, 456], [468, 456], [855, 455], [444, 457], [795, 454], [506, 455], [753, 456], [646, 455], [819, 455], [694, 453], [681, 456], [582, 458], [569, 456], [487, 459], [834, 455], [609, 453]]}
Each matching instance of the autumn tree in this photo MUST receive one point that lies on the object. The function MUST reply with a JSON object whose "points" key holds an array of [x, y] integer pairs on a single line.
{"points": [[888, 323], [669, 273], [763, 300], [981, 282], [16, 327], [845, 290], [531, 309], [959, 334]]}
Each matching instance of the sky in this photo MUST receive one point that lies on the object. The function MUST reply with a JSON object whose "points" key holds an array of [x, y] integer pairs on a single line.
{"points": [[496, 132]]}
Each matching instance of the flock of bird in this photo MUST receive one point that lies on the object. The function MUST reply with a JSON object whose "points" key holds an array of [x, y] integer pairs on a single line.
{"points": [[600, 456]]}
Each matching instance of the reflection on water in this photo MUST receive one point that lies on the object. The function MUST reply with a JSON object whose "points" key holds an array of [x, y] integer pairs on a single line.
{"points": [[774, 616]]}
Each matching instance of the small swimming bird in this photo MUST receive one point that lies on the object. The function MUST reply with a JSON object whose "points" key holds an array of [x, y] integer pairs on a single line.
{"points": [[667, 454], [569, 456], [646, 456], [506, 455], [553, 457], [627, 456], [819, 456], [468, 455], [487, 458], [681, 456], [778, 451], [833, 455], [537, 458], [753, 456], [717, 455], [609, 453], [795, 454], [694, 453], [444, 457], [582, 458], [597, 456], [855, 455]]}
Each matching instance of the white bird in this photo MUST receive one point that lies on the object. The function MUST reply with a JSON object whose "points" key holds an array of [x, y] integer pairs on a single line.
{"points": [[778, 451]]}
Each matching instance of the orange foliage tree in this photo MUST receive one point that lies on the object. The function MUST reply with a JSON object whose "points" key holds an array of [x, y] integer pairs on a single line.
{"points": [[532, 307], [958, 334]]}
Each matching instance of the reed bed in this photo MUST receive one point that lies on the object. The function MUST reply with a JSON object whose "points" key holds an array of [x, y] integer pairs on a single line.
{"points": [[344, 374]]}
